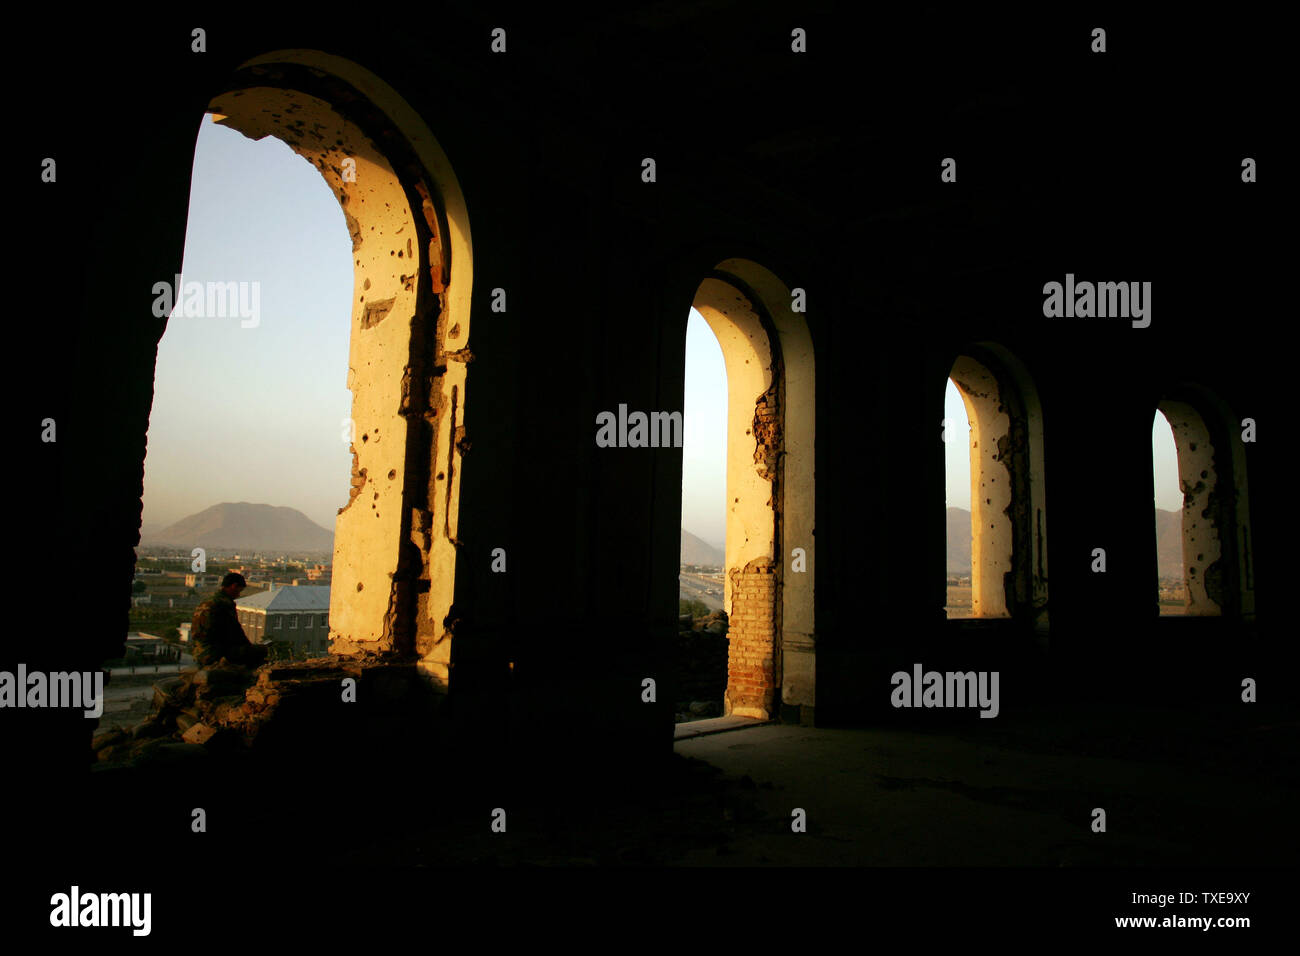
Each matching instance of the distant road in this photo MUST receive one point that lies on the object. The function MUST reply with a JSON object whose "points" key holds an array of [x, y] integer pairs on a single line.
{"points": [[151, 668], [695, 586]]}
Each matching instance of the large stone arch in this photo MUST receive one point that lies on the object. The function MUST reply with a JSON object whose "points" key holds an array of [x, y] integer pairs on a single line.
{"points": [[1217, 560], [1008, 487], [771, 423], [395, 541]]}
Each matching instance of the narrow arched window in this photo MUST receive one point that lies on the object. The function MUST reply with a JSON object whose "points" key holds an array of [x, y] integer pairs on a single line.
{"points": [[1211, 556], [1007, 489]]}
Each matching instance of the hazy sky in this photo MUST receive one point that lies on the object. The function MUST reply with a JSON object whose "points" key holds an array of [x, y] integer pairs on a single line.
{"points": [[255, 414], [956, 449], [704, 441], [1169, 494]]}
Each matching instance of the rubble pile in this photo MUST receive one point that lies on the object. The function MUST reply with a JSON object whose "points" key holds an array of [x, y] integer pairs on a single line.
{"points": [[228, 707]]}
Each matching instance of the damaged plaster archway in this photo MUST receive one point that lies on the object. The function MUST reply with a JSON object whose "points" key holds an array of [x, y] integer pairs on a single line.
{"points": [[1008, 491], [771, 420], [1217, 568], [394, 548]]}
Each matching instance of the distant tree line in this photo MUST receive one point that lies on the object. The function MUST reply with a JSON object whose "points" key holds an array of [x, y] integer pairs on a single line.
{"points": [[180, 565], [694, 607], [151, 620]]}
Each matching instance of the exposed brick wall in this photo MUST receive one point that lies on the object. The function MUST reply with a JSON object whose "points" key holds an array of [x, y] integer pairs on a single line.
{"points": [[750, 675], [767, 431]]}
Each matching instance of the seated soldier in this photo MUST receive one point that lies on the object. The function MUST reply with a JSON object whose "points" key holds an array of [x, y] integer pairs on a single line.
{"points": [[216, 632]]}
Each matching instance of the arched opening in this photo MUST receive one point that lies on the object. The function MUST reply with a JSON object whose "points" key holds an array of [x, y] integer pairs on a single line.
{"points": [[769, 555], [394, 553], [243, 460], [1170, 569], [957, 500], [702, 641], [1215, 530], [1008, 506]]}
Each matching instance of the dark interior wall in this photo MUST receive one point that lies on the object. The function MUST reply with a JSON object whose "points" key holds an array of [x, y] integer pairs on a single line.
{"points": [[825, 169]]}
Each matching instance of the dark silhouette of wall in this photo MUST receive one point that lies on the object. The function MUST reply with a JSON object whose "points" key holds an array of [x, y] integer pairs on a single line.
{"points": [[825, 168]]}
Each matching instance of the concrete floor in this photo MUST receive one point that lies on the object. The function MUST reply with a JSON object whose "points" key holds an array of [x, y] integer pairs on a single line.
{"points": [[712, 725], [898, 798], [1179, 789]]}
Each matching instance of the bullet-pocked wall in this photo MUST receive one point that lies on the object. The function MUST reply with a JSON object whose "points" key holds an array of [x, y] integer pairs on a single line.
{"points": [[1216, 503], [394, 548], [1007, 484], [770, 505], [597, 267]]}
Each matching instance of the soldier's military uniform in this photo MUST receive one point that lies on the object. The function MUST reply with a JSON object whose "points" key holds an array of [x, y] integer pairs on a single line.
{"points": [[215, 633]]}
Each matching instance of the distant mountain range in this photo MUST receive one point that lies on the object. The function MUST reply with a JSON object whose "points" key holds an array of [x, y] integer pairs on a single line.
{"points": [[698, 552], [240, 525]]}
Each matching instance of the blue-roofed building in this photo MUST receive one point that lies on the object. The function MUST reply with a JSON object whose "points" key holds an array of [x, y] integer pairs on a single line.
{"points": [[296, 615]]}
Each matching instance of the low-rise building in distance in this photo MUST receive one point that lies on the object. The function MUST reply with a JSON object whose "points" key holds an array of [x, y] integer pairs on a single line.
{"points": [[298, 616]]}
